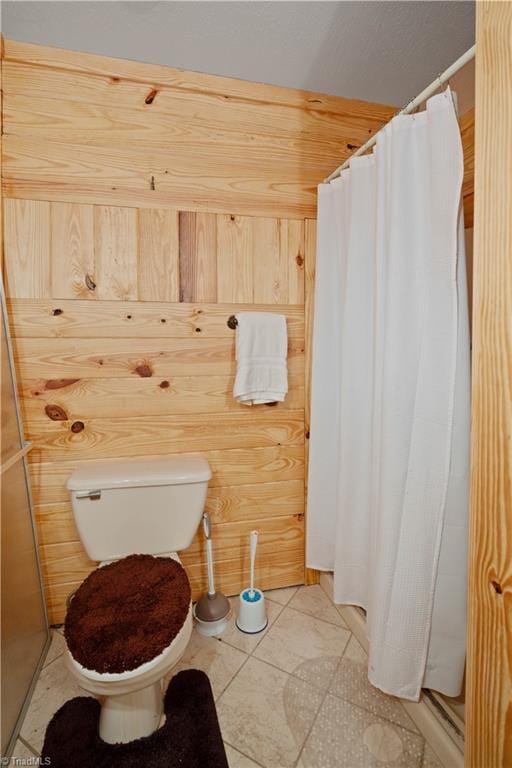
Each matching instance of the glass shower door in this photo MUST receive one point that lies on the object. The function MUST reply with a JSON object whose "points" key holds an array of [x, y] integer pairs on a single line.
{"points": [[24, 625]]}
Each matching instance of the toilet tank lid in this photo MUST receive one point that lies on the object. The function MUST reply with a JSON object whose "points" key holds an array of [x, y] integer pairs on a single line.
{"points": [[101, 475]]}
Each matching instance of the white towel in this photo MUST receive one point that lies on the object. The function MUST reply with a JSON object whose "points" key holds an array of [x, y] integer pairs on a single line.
{"points": [[261, 349]]}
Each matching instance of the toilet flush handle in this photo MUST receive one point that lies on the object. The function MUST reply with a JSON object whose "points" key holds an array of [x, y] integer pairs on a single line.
{"points": [[92, 495]]}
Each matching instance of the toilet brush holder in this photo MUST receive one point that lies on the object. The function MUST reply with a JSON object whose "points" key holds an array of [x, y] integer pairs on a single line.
{"points": [[252, 614]]}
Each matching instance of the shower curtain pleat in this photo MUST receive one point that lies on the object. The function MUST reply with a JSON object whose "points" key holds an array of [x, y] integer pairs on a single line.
{"points": [[388, 473]]}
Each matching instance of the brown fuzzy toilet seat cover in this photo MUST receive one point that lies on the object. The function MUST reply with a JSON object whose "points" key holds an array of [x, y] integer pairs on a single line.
{"points": [[126, 613]]}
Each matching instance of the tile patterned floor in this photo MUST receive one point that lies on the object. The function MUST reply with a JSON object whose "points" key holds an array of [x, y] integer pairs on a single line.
{"points": [[295, 696]]}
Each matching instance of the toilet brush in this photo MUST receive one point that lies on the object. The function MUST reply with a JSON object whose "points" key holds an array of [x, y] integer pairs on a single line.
{"points": [[212, 610], [252, 615]]}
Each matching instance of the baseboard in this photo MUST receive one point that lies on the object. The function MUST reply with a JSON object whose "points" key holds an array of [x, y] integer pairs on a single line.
{"points": [[429, 722]]}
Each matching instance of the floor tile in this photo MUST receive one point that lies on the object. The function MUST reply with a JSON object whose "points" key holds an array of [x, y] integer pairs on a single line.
{"points": [[281, 596], [22, 751], [351, 683], [296, 638], [237, 760], [55, 686], [241, 640], [430, 759], [345, 736], [219, 660], [57, 647], [314, 601], [267, 714]]}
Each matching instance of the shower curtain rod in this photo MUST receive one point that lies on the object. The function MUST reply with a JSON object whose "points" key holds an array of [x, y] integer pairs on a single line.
{"points": [[411, 106]]}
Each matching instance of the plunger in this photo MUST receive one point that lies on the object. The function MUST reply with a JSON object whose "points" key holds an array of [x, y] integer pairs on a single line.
{"points": [[212, 610]]}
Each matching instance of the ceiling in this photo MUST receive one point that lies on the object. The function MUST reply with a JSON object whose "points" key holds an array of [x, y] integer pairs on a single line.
{"points": [[384, 51]]}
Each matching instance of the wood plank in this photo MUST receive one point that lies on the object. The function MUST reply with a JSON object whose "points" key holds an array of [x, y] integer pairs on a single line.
{"points": [[55, 523], [123, 176], [467, 129], [198, 257], [243, 466], [312, 576], [205, 273], [111, 69], [67, 561], [291, 239], [115, 247], [117, 319], [213, 109], [489, 668], [51, 118], [137, 435], [121, 398], [230, 540], [158, 255], [72, 251], [103, 358], [230, 504], [75, 133], [27, 248], [235, 259], [256, 501], [269, 262]]}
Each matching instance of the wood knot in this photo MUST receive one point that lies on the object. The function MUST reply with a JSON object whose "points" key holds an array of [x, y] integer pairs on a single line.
{"points": [[300, 260], [56, 413], [152, 184], [77, 426], [164, 385], [151, 96], [197, 330], [91, 285], [56, 312], [59, 383], [144, 370], [497, 587], [352, 146], [232, 217]]}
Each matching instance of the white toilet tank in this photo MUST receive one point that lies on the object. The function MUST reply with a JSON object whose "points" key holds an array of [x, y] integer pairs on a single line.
{"points": [[138, 507]]}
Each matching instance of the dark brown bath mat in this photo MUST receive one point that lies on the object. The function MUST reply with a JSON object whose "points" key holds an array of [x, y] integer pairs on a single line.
{"points": [[128, 612], [190, 737]]}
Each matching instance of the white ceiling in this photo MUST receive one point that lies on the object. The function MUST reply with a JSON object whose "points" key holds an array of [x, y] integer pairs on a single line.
{"points": [[383, 51]]}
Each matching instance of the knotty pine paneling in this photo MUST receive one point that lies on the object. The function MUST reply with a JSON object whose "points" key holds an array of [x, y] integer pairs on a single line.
{"points": [[489, 667], [88, 129], [127, 254], [78, 358], [48, 319], [135, 227]]}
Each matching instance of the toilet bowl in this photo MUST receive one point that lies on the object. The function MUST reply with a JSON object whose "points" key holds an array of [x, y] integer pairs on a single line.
{"points": [[113, 523]]}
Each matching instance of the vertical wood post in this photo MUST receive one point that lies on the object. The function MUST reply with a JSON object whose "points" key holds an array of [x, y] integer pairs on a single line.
{"points": [[489, 687]]}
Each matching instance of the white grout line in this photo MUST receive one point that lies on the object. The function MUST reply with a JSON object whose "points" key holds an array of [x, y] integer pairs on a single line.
{"points": [[28, 746]]}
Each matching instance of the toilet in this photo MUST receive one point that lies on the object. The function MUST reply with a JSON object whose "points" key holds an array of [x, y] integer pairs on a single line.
{"points": [[122, 509]]}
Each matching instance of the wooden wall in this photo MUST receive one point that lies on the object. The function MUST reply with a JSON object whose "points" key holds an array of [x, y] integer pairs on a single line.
{"points": [[489, 695], [144, 207]]}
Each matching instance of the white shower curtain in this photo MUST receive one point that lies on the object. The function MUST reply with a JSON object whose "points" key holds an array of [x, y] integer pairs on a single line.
{"points": [[389, 450]]}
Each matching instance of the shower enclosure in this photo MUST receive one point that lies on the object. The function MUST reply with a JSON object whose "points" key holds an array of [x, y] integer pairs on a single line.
{"points": [[24, 625]]}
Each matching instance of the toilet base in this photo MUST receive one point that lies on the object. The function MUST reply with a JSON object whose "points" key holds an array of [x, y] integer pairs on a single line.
{"points": [[130, 716]]}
